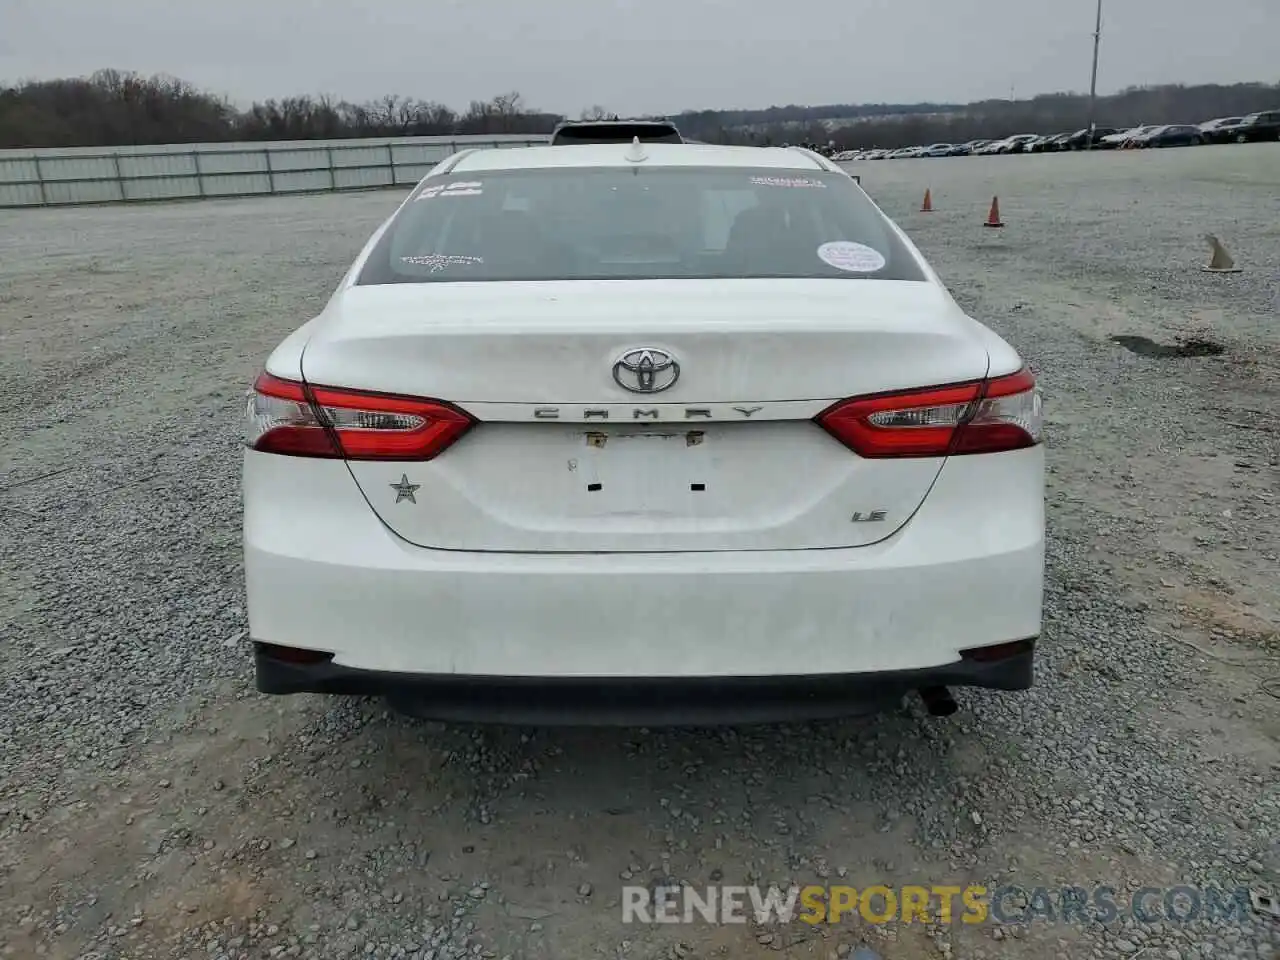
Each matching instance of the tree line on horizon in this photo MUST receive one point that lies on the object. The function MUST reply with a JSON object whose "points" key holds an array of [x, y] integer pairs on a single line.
{"points": [[115, 108]]}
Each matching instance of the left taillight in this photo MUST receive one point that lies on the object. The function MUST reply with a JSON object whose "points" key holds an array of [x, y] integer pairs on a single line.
{"points": [[984, 416], [299, 420]]}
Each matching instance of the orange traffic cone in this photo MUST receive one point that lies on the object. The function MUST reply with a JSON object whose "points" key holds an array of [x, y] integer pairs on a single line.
{"points": [[927, 206], [993, 218]]}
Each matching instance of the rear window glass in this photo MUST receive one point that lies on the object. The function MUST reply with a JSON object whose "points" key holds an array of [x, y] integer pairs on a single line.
{"points": [[633, 223]]}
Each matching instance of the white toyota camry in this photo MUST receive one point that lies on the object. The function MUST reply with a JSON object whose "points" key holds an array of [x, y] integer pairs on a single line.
{"points": [[643, 433]]}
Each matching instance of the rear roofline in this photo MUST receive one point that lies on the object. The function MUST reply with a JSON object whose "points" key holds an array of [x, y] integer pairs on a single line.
{"points": [[656, 155]]}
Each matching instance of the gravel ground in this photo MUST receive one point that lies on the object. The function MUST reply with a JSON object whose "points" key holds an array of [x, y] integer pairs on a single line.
{"points": [[152, 805]]}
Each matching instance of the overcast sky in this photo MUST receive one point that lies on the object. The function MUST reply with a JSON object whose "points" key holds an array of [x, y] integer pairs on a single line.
{"points": [[634, 56]]}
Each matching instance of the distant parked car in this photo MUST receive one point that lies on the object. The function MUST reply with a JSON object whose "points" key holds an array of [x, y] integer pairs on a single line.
{"points": [[973, 146], [993, 146], [1080, 139], [939, 150], [1015, 143], [1258, 127], [1117, 139], [1139, 140], [1222, 130], [1125, 138], [1172, 135], [1049, 144]]}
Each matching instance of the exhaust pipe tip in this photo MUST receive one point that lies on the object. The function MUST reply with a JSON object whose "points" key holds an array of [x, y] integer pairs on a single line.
{"points": [[938, 701]]}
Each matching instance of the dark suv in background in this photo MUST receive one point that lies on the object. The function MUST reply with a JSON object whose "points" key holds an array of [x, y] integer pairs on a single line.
{"points": [[615, 131], [1259, 126]]}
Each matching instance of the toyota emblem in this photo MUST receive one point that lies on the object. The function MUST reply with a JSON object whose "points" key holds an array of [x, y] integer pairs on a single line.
{"points": [[646, 370]]}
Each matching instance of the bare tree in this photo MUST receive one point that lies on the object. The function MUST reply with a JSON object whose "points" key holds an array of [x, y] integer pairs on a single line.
{"points": [[120, 107], [508, 104]]}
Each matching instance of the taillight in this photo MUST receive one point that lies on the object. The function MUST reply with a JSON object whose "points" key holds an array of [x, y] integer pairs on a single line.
{"points": [[299, 420], [985, 416]]}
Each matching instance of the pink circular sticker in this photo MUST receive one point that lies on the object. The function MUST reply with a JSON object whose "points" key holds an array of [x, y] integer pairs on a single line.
{"points": [[851, 257]]}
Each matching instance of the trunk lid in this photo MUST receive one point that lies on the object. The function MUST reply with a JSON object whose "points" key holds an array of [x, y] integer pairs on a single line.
{"points": [[564, 459]]}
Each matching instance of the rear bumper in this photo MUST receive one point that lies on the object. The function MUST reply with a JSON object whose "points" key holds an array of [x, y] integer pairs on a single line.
{"points": [[640, 700], [324, 574]]}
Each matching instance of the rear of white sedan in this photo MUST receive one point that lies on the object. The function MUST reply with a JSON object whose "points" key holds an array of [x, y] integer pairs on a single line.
{"points": [[641, 434]]}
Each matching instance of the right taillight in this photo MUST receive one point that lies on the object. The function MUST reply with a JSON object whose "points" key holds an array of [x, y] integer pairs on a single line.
{"points": [[295, 419], [984, 416]]}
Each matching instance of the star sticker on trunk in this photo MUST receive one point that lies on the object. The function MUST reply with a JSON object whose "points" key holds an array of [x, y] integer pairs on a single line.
{"points": [[404, 489]]}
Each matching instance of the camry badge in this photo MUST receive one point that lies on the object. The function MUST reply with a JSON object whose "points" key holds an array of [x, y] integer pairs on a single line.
{"points": [[646, 370], [404, 489]]}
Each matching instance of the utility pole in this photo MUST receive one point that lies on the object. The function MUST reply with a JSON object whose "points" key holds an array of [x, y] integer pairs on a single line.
{"points": [[1093, 83]]}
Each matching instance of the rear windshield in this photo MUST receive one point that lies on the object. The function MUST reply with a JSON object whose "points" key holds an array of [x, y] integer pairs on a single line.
{"points": [[635, 223]]}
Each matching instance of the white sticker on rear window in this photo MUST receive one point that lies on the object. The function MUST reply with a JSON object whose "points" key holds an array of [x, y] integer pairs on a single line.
{"points": [[851, 257], [459, 189], [436, 262], [787, 182]]}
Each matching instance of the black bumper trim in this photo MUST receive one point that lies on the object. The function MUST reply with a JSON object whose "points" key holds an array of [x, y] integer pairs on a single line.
{"points": [[643, 701]]}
